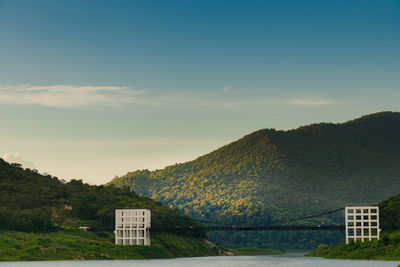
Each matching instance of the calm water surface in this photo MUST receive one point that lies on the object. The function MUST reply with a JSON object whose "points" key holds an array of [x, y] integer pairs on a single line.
{"points": [[294, 259]]}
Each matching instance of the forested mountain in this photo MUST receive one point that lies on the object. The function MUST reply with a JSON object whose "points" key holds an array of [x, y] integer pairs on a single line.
{"points": [[32, 202], [40, 216], [272, 175]]}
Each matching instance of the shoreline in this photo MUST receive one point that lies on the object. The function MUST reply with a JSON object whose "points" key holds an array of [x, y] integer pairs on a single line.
{"points": [[387, 248]]}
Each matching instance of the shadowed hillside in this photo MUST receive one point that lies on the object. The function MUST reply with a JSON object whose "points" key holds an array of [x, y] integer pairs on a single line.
{"points": [[40, 216], [30, 201]]}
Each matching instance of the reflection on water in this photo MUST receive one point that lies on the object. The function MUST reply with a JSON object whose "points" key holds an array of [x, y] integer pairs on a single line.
{"points": [[292, 259]]}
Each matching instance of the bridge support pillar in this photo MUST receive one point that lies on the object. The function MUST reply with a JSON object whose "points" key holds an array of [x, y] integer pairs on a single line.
{"points": [[132, 227], [362, 223]]}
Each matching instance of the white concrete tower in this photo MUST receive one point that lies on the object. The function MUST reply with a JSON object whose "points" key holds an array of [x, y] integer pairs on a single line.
{"points": [[362, 223], [132, 227]]}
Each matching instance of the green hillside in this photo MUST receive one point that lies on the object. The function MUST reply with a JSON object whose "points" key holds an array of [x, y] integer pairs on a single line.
{"points": [[387, 248], [272, 176], [40, 216]]}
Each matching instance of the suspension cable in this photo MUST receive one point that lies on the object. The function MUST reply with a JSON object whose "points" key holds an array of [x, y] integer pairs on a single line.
{"points": [[294, 219]]}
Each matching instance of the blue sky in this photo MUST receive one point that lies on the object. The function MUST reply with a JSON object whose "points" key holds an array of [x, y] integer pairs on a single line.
{"points": [[90, 89]]}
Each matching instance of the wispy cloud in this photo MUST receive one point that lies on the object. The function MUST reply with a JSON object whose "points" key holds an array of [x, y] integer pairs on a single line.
{"points": [[309, 101], [72, 96], [78, 96], [67, 95]]}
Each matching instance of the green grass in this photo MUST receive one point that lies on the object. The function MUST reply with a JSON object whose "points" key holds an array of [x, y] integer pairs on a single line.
{"points": [[388, 248], [68, 245]]}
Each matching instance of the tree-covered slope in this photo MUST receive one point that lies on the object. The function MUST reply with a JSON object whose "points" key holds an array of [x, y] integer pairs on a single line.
{"points": [[40, 216], [272, 175], [30, 201]]}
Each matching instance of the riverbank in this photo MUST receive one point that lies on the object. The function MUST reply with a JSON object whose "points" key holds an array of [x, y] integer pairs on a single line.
{"points": [[388, 248], [79, 245]]}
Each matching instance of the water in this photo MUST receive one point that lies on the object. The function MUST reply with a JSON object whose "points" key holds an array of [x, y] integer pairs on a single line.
{"points": [[286, 260]]}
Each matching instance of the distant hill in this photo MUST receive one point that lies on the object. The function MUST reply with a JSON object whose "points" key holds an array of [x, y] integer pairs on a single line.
{"points": [[272, 175]]}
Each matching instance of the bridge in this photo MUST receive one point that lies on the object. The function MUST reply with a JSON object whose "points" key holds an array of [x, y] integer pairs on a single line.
{"points": [[133, 227], [254, 226], [235, 228], [250, 225], [246, 225]]}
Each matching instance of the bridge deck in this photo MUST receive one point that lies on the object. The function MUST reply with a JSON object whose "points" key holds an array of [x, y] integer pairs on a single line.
{"points": [[252, 228]]}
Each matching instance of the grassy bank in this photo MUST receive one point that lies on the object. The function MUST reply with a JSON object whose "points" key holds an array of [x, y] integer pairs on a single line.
{"points": [[68, 245], [388, 248]]}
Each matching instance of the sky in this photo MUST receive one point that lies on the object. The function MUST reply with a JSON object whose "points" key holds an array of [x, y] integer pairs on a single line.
{"points": [[93, 89]]}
